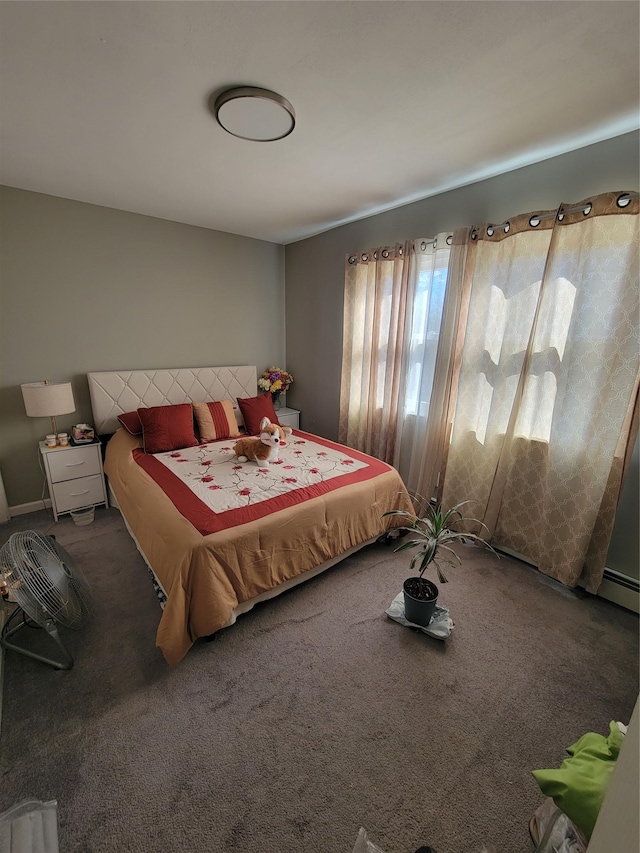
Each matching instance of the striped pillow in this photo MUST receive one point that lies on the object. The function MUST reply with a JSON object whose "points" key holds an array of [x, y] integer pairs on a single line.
{"points": [[216, 421]]}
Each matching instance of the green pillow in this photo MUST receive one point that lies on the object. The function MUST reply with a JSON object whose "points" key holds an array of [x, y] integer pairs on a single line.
{"points": [[579, 785]]}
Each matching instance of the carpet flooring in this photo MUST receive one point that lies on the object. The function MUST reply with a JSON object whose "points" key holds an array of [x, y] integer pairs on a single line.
{"points": [[315, 714]]}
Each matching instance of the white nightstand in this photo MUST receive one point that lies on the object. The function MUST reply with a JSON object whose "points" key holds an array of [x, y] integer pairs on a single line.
{"points": [[288, 417], [74, 476]]}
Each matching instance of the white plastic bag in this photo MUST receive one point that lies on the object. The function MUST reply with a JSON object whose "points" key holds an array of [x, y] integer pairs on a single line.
{"points": [[440, 626], [363, 845], [552, 831], [29, 827]]}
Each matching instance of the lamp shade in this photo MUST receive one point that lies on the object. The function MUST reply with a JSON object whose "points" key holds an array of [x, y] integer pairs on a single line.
{"points": [[48, 399]]}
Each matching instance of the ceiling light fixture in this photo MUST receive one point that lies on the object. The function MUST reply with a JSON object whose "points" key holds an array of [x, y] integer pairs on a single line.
{"points": [[255, 114]]}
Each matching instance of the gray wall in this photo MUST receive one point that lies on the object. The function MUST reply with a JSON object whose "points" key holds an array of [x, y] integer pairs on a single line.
{"points": [[624, 551], [314, 268], [90, 288]]}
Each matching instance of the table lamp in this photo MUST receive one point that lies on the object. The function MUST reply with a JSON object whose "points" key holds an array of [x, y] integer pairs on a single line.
{"points": [[47, 400]]}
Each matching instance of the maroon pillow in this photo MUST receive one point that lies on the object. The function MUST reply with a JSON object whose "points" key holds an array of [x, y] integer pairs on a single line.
{"points": [[254, 409], [131, 422], [167, 428]]}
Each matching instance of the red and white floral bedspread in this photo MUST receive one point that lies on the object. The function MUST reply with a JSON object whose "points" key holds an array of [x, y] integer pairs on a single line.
{"points": [[214, 491]]}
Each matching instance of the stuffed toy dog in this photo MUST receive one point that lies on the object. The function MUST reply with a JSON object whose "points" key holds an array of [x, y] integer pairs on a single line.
{"points": [[265, 448]]}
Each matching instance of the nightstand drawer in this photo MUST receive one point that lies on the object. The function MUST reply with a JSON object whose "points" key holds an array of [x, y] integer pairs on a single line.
{"points": [[288, 417], [71, 463], [73, 494]]}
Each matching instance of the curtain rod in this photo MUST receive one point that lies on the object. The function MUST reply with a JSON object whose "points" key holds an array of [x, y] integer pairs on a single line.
{"points": [[536, 218], [364, 256]]}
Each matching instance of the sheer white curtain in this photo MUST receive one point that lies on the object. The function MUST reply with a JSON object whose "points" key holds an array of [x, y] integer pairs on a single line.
{"points": [[401, 318], [433, 304], [375, 297]]}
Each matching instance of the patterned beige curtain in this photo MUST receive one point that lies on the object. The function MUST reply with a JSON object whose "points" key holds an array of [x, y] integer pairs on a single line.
{"points": [[547, 393], [375, 298]]}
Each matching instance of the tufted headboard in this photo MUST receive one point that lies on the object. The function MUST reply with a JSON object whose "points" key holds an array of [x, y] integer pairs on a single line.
{"points": [[116, 392]]}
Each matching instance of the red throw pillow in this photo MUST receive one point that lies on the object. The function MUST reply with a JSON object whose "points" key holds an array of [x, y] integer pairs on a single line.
{"points": [[131, 422], [254, 409], [167, 428]]}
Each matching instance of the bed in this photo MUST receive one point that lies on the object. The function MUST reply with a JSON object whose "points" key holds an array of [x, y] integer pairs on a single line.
{"points": [[219, 536]]}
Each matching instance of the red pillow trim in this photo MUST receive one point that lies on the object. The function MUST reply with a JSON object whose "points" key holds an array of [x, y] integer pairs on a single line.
{"points": [[131, 422], [254, 409], [167, 428], [216, 420]]}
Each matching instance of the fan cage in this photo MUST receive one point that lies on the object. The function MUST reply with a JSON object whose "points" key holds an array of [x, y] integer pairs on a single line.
{"points": [[44, 580]]}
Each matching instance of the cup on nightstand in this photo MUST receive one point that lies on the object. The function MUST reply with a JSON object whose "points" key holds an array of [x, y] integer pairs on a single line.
{"points": [[50, 440]]}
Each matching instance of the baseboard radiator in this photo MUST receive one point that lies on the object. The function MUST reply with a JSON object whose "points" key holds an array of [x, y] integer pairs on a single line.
{"points": [[621, 589], [616, 587]]}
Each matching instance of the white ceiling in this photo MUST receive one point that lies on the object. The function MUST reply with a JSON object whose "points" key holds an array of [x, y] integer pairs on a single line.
{"points": [[107, 102]]}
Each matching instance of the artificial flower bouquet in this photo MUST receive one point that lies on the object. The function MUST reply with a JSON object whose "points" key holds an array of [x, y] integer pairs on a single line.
{"points": [[275, 380]]}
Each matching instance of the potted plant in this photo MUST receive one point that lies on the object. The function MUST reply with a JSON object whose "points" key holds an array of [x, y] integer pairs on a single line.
{"points": [[435, 531]]}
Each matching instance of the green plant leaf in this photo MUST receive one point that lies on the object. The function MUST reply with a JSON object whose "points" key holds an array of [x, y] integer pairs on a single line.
{"points": [[413, 543], [403, 512], [434, 527], [441, 575], [451, 551]]}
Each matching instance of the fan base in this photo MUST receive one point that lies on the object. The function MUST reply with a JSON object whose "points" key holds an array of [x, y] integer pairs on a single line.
{"points": [[51, 629]]}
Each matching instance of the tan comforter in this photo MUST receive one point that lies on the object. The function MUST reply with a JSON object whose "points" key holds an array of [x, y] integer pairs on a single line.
{"points": [[206, 577]]}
